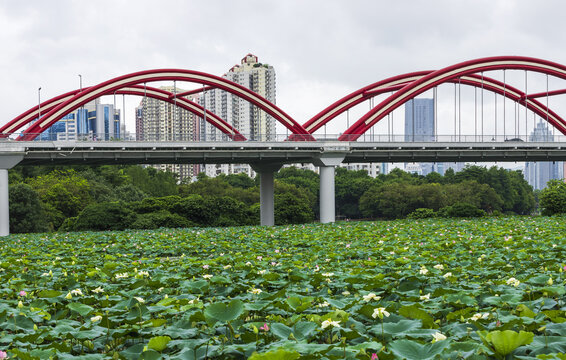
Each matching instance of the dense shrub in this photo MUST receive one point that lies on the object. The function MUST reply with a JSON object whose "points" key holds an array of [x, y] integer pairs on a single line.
{"points": [[461, 210], [105, 216], [422, 213], [159, 219]]}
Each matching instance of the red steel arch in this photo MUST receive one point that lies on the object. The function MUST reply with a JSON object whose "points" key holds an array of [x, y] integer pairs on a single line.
{"points": [[31, 114], [359, 96], [397, 82], [26, 117], [143, 77], [447, 74]]}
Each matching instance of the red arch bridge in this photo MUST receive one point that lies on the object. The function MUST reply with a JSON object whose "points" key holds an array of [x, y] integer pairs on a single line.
{"points": [[505, 98]]}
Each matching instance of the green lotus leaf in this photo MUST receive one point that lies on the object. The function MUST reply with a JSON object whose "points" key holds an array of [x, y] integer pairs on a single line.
{"points": [[158, 343], [505, 342], [224, 312], [278, 354], [412, 350]]}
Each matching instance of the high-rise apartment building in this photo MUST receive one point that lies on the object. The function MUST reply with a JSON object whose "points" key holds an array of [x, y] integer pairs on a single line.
{"points": [[157, 120], [248, 119], [539, 173], [162, 121]]}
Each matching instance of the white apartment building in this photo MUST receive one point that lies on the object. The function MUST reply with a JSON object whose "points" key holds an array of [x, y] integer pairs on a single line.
{"points": [[162, 121]]}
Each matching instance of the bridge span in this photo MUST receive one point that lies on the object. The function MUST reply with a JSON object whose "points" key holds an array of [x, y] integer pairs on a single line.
{"points": [[266, 158]]}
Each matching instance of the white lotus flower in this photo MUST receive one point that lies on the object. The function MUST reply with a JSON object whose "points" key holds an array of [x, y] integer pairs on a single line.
{"points": [[77, 292], [479, 316], [438, 336], [327, 323], [98, 290], [371, 296], [380, 312]]}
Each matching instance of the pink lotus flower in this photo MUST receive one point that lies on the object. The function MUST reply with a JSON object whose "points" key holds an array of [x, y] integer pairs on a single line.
{"points": [[22, 293], [265, 327], [259, 257], [3, 355], [374, 356]]}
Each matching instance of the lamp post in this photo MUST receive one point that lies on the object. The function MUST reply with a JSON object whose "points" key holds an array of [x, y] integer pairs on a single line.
{"points": [[80, 113], [39, 102]]}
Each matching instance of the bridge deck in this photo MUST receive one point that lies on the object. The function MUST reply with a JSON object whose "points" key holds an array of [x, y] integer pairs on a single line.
{"points": [[98, 152]]}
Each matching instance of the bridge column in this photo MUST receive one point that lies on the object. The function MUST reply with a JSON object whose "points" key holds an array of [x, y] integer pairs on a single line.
{"points": [[326, 165], [6, 162], [266, 192]]}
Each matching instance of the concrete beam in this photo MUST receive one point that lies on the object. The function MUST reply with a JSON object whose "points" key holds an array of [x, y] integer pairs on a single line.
{"points": [[266, 192]]}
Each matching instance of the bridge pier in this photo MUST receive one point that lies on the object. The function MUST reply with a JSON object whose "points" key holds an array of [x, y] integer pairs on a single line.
{"points": [[6, 162], [326, 165], [266, 192]]}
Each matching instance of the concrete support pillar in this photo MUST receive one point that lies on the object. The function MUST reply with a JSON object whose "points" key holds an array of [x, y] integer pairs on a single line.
{"points": [[266, 199], [7, 161], [327, 195], [266, 192], [326, 164], [4, 204]]}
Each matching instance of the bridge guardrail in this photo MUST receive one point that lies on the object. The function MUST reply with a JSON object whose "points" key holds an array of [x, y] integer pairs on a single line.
{"points": [[389, 138]]}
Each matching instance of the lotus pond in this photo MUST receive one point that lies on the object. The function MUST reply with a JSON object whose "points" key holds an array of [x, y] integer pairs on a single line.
{"points": [[490, 288]]}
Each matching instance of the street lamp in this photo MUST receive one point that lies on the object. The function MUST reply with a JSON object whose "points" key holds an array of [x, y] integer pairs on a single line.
{"points": [[81, 82]]}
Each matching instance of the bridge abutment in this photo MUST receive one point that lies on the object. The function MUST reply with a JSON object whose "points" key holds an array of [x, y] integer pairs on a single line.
{"points": [[266, 192], [6, 162]]}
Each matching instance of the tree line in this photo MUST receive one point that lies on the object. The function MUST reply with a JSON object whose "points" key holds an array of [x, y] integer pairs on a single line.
{"points": [[44, 198]]}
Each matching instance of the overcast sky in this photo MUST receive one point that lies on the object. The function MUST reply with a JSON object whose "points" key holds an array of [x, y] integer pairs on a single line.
{"points": [[321, 50]]}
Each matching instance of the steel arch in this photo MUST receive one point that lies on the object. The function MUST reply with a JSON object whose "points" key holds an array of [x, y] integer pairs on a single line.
{"points": [[398, 82], [31, 114], [437, 77], [143, 77]]}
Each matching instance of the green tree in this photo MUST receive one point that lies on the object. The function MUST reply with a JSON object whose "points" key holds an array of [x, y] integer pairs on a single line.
{"points": [[63, 193], [26, 211], [389, 200], [151, 181], [349, 187], [471, 192], [553, 198], [241, 180]]}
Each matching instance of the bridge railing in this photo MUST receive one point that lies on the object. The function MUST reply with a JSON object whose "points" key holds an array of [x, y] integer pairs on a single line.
{"points": [[375, 138]]}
